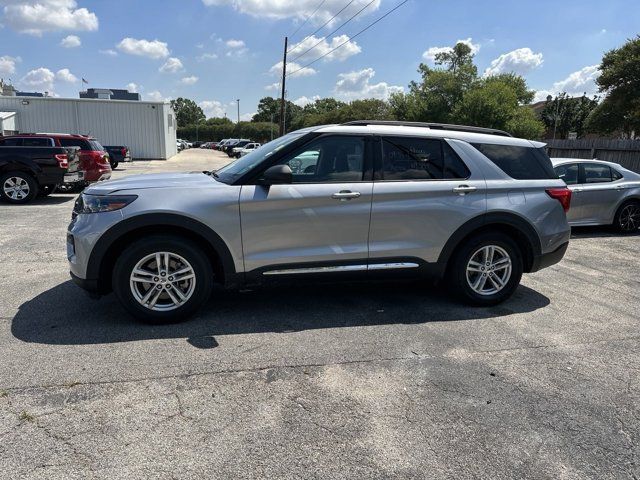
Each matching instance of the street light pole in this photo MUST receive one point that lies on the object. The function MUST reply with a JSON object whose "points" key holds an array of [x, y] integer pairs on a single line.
{"points": [[238, 100]]}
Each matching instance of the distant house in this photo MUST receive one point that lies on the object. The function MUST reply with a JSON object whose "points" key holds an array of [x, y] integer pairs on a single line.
{"points": [[110, 94]]}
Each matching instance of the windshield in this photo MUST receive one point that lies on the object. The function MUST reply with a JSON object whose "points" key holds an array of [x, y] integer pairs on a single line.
{"points": [[235, 170]]}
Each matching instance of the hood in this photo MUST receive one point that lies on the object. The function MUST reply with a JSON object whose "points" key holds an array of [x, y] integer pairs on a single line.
{"points": [[157, 180]]}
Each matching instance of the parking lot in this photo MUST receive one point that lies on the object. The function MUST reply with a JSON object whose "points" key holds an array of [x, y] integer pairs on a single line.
{"points": [[386, 380]]}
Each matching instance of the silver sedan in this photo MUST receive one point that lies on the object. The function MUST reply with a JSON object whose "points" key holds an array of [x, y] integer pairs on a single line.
{"points": [[604, 193]]}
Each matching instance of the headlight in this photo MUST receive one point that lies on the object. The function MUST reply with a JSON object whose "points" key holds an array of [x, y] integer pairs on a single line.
{"points": [[101, 203]]}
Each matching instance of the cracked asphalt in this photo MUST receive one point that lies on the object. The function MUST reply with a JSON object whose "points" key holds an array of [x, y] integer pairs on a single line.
{"points": [[375, 381]]}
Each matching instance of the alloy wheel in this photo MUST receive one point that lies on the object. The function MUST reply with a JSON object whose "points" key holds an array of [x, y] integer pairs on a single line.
{"points": [[162, 281], [16, 188], [489, 270], [629, 219]]}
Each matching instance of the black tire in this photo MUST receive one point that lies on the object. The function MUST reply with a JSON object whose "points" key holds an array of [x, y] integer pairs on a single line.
{"points": [[457, 273], [163, 243], [46, 190], [114, 165], [20, 177], [622, 222]]}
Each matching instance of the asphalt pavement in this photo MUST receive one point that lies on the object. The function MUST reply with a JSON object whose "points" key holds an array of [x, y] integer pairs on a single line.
{"points": [[347, 381]]}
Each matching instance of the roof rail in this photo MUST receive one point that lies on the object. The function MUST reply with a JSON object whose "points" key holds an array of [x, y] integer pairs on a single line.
{"points": [[433, 126]]}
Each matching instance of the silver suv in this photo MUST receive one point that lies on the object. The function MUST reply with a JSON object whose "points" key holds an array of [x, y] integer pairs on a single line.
{"points": [[471, 206]]}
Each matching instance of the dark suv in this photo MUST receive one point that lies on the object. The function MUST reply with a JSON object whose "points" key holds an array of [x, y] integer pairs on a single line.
{"points": [[94, 160]]}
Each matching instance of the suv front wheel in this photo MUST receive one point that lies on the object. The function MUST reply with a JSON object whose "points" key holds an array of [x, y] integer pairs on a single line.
{"points": [[486, 269], [162, 279]]}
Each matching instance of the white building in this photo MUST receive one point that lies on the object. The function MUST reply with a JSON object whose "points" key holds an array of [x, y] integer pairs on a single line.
{"points": [[147, 128]]}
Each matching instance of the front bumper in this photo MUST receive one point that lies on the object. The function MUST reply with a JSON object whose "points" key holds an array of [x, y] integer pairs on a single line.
{"points": [[547, 259], [91, 286]]}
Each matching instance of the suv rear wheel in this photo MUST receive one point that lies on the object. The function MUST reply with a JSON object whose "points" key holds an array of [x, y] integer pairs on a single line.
{"points": [[162, 279], [486, 269], [18, 187]]}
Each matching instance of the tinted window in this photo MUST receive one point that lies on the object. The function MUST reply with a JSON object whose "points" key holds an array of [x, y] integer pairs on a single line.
{"points": [[75, 142], [594, 173], [36, 142], [521, 163], [95, 145], [568, 173], [454, 167], [11, 142], [406, 158], [328, 159], [615, 174]]}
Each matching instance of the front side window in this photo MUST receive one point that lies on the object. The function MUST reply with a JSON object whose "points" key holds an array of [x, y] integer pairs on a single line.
{"points": [[11, 142], [595, 173], [568, 173], [333, 159]]}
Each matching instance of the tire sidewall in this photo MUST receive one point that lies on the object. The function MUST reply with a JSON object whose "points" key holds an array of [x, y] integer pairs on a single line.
{"points": [[616, 222], [33, 187], [458, 273], [183, 247]]}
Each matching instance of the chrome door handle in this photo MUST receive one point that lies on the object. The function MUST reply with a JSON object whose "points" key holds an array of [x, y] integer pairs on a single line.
{"points": [[576, 190], [621, 187], [464, 189], [345, 195]]}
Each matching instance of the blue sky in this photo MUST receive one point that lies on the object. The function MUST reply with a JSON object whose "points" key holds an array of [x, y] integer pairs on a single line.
{"points": [[215, 51]]}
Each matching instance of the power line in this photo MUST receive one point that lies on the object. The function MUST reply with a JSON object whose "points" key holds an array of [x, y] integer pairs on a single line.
{"points": [[323, 25], [352, 37], [308, 18], [336, 30]]}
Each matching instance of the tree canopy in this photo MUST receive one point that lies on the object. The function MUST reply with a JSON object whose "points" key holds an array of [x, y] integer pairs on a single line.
{"points": [[187, 111]]}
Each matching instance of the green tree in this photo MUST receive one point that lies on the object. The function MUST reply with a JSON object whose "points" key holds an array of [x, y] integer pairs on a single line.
{"points": [[619, 82], [187, 111], [565, 114], [269, 109]]}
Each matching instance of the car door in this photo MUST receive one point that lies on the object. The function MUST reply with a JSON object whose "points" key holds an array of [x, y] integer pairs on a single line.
{"points": [[570, 174], [320, 219], [597, 193], [423, 192]]}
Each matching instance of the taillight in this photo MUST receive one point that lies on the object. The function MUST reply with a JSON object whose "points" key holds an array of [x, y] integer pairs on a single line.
{"points": [[63, 160], [563, 195], [124, 152]]}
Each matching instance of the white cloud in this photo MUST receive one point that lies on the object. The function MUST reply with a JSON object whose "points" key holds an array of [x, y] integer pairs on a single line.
{"points": [[39, 78], [144, 48], [133, 87], [35, 17], [274, 87], [235, 43], [110, 52], [172, 65], [66, 76], [293, 69], [356, 85], [8, 65], [518, 61], [298, 9], [575, 85], [206, 56], [304, 101], [189, 80], [70, 41], [246, 117], [430, 54], [322, 47], [155, 96], [212, 108]]}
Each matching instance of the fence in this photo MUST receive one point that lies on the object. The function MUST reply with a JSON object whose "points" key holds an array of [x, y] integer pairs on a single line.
{"points": [[624, 152]]}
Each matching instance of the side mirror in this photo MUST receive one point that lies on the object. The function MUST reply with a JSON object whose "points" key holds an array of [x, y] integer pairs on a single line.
{"points": [[278, 174]]}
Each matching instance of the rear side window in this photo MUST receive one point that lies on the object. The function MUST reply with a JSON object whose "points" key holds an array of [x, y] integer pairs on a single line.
{"points": [[594, 173], [75, 142], [521, 163], [36, 142], [11, 142], [569, 173]]}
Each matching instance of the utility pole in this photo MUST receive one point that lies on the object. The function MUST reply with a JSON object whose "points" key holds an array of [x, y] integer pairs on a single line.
{"points": [[238, 100], [284, 79]]}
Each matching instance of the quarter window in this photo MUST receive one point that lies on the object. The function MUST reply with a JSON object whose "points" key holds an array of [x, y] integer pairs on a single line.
{"points": [[335, 159], [521, 163], [568, 173]]}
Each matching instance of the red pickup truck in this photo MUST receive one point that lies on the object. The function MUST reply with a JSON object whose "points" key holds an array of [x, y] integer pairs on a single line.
{"points": [[94, 160]]}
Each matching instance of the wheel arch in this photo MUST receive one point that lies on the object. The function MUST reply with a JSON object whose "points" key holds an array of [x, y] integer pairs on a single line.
{"points": [[114, 240], [524, 234]]}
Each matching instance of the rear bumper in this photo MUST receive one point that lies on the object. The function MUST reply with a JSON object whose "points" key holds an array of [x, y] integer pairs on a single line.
{"points": [[547, 259]]}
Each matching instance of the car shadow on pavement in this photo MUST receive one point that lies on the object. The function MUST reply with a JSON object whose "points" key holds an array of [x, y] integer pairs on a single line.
{"points": [[64, 315], [599, 232]]}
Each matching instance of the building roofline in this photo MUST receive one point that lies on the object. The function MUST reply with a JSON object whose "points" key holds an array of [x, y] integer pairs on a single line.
{"points": [[68, 99]]}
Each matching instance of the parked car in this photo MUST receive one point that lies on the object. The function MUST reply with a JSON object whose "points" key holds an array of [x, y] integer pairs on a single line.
{"points": [[247, 149], [604, 193], [228, 148], [473, 206], [117, 154], [26, 172], [94, 160], [237, 147], [223, 144]]}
